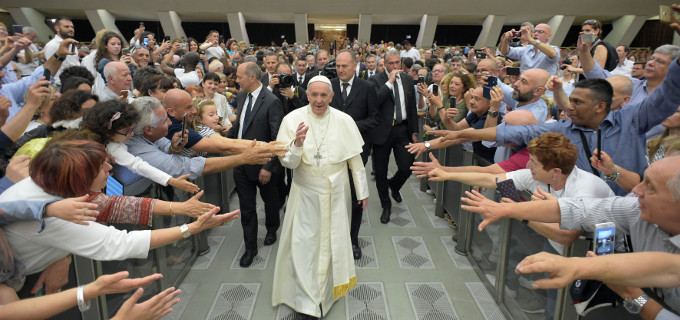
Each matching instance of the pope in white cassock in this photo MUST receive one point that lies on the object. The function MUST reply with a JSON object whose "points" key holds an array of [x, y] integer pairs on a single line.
{"points": [[314, 263]]}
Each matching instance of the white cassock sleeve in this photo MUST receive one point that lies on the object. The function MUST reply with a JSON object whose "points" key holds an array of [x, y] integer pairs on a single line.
{"points": [[291, 159], [359, 176]]}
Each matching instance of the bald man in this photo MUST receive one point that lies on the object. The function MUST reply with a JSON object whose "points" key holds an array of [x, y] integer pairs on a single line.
{"points": [[623, 90], [178, 102], [537, 54], [525, 94]]}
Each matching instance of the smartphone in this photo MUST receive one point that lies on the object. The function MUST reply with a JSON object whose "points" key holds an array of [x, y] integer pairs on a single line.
{"points": [[588, 37], [17, 29], [421, 79], [201, 51], [40, 292], [113, 187], [47, 74], [435, 89], [141, 24], [507, 189], [184, 128], [491, 82], [668, 15], [481, 55], [221, 39], [125, 51], [74, 49], [513, 71], [599, 143], [452, 102], [167, 38], [605, 234], [146, 42]]}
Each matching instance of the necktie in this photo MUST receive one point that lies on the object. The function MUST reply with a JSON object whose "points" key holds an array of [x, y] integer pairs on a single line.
{"points": [[397, 101], [245, 118], [300, 80], [370, 74], [344, 90]]}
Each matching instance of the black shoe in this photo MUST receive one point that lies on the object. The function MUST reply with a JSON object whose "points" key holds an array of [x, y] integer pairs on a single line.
{"points": [[356, 251], [302, 316], [247, 258], [270, 238], [385, 217], [396, 195]]}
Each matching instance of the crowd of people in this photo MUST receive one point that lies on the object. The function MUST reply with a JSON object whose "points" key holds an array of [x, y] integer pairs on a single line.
{"points": [[299, 122]]}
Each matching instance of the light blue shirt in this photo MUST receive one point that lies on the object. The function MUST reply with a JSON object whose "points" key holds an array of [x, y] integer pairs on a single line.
{"points": [[16, 91], [538, 107], [156, 154], [530, 59], [623, 131]]}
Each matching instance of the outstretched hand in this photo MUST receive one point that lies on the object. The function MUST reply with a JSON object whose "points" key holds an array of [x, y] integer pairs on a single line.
{"points": [[561, 271], [422, 169], [478, 203], [444, 134]]}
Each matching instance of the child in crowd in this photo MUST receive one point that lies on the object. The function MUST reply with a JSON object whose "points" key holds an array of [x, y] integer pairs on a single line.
{"points": [[114, 122]]}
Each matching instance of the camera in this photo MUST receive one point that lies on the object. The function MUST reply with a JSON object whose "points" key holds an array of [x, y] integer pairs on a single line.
{"points": [[517, 34], [565, 63], [329, 70], [285, 80], [125, 51], [201, 52], [588, 37]]}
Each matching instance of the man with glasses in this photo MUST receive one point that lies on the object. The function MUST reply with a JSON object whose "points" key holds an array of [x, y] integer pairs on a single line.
{"points": [[537, 53]]}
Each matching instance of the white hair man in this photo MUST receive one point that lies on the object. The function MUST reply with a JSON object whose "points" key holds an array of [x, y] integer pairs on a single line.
{"points": [[318, 204], [118, 80]]}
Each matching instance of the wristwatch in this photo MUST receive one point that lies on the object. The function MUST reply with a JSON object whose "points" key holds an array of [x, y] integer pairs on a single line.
{"points": [[615, 176], [427, 145], [635, 305], [494, 114], [184, 229], [537, 42], [59, 58]]}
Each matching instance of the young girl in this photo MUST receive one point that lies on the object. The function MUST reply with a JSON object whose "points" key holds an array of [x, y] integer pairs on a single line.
{"points": [[114, 121]]}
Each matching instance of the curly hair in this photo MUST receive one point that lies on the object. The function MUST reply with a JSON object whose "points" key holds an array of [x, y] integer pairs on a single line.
{"points": [[67, 168], [76, 71], [69, 105], [468, 82], [554, 150], [100, 119]]}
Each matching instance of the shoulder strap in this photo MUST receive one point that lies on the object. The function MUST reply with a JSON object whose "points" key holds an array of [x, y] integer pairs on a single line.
{"points": [[586, 148]]}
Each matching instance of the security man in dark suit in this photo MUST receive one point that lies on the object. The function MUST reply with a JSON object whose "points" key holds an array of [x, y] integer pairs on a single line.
{"points": [[359, 99], [269, 61], [259, 117], [398, 127], [322, 59]]}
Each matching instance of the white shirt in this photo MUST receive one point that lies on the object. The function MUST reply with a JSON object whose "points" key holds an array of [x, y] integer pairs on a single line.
{"points": [[349, 88], [216, 52], [223, 108], [88, 62], [27, 69], [401, 95], [412, 53], [297, 78], [625, 69], [579, 184], [37, 250], [71, 60], [255, 94], [187, 78], [371, 73]]}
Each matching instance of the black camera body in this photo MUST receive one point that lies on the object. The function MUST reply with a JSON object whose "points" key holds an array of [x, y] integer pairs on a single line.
{"points": [[329, 70], [285, 80]]}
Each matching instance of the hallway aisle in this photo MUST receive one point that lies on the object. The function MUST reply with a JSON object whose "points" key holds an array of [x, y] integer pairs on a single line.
{"points": [[409, 270]]}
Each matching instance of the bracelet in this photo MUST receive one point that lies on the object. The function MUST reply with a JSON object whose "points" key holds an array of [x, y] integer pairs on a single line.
{"points": [[171, 214], [615, 176], [82, 305]]}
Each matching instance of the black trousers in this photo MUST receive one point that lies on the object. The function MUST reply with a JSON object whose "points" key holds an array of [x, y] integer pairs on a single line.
{"points": [[247, 191], [357, 211], [396, 142]]}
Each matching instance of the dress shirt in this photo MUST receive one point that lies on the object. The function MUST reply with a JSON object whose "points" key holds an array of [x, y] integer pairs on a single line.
{"points": [[585, 213], [413, 54], [538, 107], [535, 59], [255, 94], [370, 73], [16, 91], [349, 88], [187, 78], [156, 154], [402, 99], [626, 68]]}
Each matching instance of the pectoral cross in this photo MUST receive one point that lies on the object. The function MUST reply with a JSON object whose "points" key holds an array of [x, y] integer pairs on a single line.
{"points": [[318, 157]]}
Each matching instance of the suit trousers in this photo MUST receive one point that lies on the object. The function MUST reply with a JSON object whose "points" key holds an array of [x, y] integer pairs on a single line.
{"points": [[247, 191], [396, 142], [357, 211]]}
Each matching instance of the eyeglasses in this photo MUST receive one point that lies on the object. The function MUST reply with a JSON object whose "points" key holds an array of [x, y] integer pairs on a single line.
{"points": [[437, 70], [591, 21], [539, 31], [126, 134]]}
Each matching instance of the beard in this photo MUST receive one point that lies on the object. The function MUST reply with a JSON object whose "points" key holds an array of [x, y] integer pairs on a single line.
{"points": [[521, 97]]}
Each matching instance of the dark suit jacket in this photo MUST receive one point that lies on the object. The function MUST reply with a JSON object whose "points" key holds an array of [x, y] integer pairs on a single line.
{"points": [[263, 124], [362, 71], [298, 100], [361, 105], [386, 102], [265, 79], [298, 83]]}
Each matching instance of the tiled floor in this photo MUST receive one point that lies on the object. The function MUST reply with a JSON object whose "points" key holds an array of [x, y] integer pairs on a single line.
{"points": [[409, 271]]}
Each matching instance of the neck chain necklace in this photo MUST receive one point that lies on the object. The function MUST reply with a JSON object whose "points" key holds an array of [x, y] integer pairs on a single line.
{"points": [[318, 155]]}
